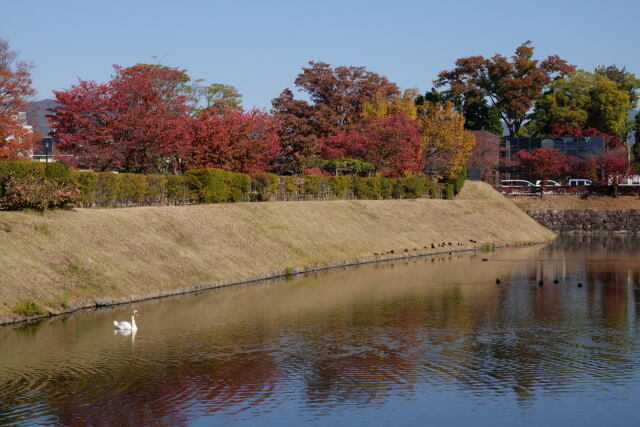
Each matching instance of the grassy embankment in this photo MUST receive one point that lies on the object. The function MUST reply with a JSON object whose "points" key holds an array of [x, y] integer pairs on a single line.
{"points": [[564, 202], [60, 259]]}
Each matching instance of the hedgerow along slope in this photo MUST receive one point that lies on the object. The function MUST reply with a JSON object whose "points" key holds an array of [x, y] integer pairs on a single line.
{"points": [[61, 257]]}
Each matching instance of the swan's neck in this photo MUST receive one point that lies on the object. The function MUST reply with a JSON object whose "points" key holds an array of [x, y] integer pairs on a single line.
{"points": [[133, 322]]}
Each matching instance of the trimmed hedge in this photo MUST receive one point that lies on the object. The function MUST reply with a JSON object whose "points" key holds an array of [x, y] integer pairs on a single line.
{"points": [[105, 189]]}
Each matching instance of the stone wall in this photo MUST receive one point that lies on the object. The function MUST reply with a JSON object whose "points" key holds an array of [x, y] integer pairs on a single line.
{"points": [[589, 221]]}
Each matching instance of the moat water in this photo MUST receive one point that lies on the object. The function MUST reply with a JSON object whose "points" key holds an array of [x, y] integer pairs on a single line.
{"points": [[431, 341]]}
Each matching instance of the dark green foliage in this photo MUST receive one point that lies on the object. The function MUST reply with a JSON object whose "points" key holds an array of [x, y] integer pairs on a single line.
{"points": [[239, 185], [386, 188], [211, 186], [397, 189], [457, 181], [348, 166], [413, 187], [341, 186], [58, 170], [368, 188], [69, 187]]}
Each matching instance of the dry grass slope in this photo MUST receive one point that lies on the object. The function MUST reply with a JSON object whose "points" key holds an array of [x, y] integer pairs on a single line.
{"points": [[62, 257]]}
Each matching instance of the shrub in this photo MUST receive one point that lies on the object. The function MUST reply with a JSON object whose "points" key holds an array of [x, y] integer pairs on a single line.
{"points": [[38, 193], [240, 187], [29, 308], [458, 180], [413, 187], [265, 185], [312, 186], [367, 188], [447, 191], [180, 189], [397, 189], [290, 184], [341, 185], [386, 188], [58, 170]]}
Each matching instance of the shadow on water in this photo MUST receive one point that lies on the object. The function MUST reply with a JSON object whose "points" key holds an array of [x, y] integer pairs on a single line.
{"points": [[396, 341]]}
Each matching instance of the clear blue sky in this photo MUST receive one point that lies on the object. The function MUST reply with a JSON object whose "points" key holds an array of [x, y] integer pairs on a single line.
{"points": [[260, 46]]}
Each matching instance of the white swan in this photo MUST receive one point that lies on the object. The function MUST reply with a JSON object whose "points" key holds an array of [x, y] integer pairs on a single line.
{"points": [[126, 325]]}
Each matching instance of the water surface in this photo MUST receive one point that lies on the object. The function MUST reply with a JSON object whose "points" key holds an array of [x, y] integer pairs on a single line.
{"points": [[430, 341]]}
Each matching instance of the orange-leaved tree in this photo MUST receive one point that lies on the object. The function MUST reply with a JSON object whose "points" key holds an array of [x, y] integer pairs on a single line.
{"points": [[16, 139], [446, 144]]}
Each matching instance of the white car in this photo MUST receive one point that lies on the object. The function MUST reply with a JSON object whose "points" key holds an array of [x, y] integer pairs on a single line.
{"points": [[547, 183], [516, 183]]}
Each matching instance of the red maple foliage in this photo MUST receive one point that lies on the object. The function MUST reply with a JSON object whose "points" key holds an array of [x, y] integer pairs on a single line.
{"points": [[545, 163], [561, 129], [613, 167], [391, 144], [16, 139], [233, 140], [336, 99], [136, 122]]}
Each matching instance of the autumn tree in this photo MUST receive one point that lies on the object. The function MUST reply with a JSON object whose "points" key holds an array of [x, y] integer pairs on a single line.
{"points": [[233, 140], [299, 133], [16, 139], [613, 167], [392, 144], [545, 163], [485, 156], [626, 81], [446, 144], [582, 100], [563, 130], [218, 95], [511, 86], [381, 105], [136, 122], [478, 114], [336, 97]]}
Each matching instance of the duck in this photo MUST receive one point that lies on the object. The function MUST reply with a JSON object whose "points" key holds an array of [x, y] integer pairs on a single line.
{"points": [[126, 325]]}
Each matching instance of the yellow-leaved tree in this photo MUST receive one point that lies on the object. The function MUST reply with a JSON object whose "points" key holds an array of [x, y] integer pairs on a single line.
{"points": [[379, 106], [446, 144]]}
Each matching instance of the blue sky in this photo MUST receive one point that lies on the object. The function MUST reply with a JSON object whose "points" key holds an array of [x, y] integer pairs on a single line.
{"points": [[260, 46]]}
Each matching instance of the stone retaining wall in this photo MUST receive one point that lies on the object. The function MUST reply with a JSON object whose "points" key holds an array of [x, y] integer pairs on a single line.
{"points": [[589, 221]]}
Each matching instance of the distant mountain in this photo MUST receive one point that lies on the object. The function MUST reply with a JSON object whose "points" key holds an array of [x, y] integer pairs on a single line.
{"points": [[36, 112]]}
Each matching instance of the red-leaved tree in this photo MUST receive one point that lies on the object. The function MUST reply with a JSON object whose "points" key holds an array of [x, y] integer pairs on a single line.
{"points": [[234, 140], [136, 122], [613, 167], [561, 129], [16, 139], [545, 163], [391, 144]]}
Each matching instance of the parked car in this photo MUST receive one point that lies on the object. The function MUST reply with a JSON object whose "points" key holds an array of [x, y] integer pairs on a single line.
{"points": [[579, 181], [547, 183], [631, 180], [516, 183]]}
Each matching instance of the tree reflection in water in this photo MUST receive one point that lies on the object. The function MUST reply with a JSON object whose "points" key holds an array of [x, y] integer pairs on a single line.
{"points": [[355, 339]]}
